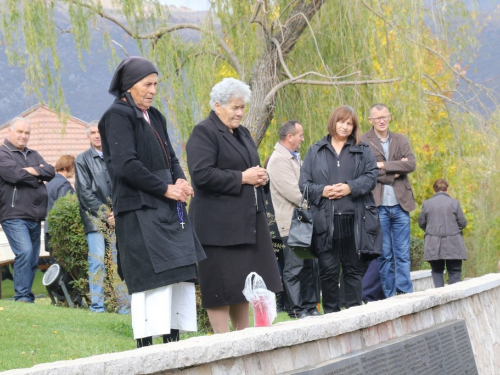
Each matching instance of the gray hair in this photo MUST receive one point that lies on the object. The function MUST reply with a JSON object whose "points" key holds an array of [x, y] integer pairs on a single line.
{"points": [[16, 119], [288, 127], [227, 90], [379, 107], [91, 124]]}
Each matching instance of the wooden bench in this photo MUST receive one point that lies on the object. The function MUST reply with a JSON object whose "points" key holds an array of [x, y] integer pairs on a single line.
{"points": [[7, 256]]}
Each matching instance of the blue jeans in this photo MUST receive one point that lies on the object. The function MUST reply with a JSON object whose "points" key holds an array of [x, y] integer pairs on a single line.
{"points": [[24, 240], [394, 262], [97, 247]]}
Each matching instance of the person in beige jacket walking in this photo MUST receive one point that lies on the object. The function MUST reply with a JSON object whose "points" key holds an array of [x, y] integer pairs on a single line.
{"points": [[300, 276]]}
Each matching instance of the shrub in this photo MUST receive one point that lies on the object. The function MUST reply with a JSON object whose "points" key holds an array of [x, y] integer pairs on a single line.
{"points": [[201, 314], [115, 291], [67, 238], [416, 253]]}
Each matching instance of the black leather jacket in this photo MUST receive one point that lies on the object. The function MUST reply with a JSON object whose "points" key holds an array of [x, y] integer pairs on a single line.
{"points": [[23, 195], [93, 186]]}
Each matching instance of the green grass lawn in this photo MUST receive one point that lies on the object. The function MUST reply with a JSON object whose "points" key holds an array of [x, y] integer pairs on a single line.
{"points": [[39, 333], [38, 288]]}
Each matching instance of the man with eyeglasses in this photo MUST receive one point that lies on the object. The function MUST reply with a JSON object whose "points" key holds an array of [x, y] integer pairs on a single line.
{"points": [[394, 198]]}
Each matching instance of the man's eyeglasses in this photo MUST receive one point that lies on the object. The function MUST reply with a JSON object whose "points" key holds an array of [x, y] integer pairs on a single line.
{"points": [[378, 119]]}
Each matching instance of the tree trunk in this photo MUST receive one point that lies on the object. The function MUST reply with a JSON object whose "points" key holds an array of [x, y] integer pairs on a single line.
{"points": [[266, 72]]}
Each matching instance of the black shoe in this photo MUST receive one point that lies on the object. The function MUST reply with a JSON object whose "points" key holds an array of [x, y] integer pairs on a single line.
{"points": [[280, 302], [299, 315], [314, 312]]}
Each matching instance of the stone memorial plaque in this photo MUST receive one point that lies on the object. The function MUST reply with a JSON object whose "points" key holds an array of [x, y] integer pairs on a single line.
{"points": [[442, 349]]}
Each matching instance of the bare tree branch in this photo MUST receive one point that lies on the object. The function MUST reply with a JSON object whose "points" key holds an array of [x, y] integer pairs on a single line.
{"points": [[290, 75], [104, 15], [63, 31], [270, 96], [194, 55], [231, 57], [253, 19], [115, 42]]}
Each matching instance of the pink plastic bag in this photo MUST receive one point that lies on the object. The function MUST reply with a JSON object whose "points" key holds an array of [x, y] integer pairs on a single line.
{"points": [[262, 300]]}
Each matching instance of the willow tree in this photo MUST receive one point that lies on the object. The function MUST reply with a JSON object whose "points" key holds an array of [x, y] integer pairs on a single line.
{"points": [[252, 40], [301, 58]]}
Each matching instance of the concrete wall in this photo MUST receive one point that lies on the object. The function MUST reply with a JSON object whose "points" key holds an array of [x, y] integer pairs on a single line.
{"points": [[296, 344], [422, 280]]}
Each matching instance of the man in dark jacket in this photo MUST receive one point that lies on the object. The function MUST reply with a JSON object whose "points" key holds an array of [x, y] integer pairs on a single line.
{"points": [[394, 198], [23, 203], [93, 188]]}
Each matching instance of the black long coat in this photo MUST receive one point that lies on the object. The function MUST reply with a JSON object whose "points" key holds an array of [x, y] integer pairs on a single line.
{"points": [[139, 181], [223, 210]]}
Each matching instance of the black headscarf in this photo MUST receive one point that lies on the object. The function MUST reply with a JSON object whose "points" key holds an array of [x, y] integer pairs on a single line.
{"points": [[129, 72]]}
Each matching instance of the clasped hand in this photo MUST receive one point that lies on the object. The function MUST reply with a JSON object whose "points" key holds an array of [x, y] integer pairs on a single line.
{"points": [[336, 191], [256, 176], [180, 191]]}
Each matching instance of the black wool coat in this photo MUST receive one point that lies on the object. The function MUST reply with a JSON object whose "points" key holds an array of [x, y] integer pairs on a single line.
{"points": [[223, 210], [131, 154]]}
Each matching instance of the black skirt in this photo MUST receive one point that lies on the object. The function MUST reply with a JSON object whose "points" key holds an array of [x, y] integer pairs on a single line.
{"points": [[223, 274], [135, 262]]}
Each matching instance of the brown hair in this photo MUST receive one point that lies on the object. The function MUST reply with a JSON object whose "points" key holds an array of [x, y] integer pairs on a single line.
{"points": [[440, 185], [65, 162], [343, 113]]}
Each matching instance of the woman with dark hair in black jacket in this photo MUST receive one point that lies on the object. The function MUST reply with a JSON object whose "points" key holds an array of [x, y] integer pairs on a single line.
{"points": [[339, 173]]}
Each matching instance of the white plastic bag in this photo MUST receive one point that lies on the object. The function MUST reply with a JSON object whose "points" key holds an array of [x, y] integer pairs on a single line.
{"points": [[263, 301]]}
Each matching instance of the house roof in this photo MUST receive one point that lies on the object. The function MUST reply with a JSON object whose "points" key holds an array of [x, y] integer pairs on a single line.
{"points": [[49, 136]]}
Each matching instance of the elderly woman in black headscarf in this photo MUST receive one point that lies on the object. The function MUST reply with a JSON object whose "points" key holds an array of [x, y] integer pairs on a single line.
{"points": [[158, 249]]}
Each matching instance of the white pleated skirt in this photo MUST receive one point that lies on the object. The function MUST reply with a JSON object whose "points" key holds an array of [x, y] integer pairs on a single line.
{"points": [[155, 312]]}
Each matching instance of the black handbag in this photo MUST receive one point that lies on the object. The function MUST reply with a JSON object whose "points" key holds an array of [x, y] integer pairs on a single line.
{"points": [[301, 229]]}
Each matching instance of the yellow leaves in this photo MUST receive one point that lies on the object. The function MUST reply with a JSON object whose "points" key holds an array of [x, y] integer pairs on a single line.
{"points": [[274, 14], [224, 71], [54, 332], [1, 308]]}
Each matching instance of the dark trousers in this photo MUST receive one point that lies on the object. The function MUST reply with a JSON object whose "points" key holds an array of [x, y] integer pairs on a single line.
{"points": [[300, 282], [372, 287], [48, 248], [282, 303], [343, 253], [453, 267]]}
